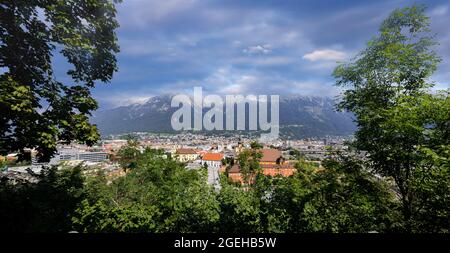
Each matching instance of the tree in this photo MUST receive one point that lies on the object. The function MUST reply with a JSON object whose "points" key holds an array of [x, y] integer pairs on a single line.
{"points": [[43, 206], [36, 109], [159, 195], [424, 121], [255, 145], [387, 91], [249, 164], [341, 197], [128, 154], [296, 154], [431, 186], [239, 210]]}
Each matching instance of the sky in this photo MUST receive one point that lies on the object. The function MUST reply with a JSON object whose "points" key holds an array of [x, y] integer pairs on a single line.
{"points": [[248, 47]]}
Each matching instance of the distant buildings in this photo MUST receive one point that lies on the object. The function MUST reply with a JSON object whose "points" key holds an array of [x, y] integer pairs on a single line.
{"points": [[272, 163], [271, 157], [196, 151], [74, 155], [186, 155]]}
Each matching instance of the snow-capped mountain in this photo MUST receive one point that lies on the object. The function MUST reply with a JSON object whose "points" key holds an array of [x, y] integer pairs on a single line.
{"points": [[300, 116]]}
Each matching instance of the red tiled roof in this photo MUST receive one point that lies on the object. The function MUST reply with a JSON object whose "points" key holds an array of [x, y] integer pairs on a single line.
{"points": [[277, 166], [212, 157], [268, 169], [270, 155], [186, 151], [235, 169]]}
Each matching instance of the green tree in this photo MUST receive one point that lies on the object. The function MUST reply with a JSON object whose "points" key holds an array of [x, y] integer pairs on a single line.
{"points": [[295, 153], [159, 195], [423, 121], [387, 91], [249, 164], [128, 154], [431, 186], [239, 210], [255, 145], [342, 197], [100, 217], [37, 110], [43, 206]]}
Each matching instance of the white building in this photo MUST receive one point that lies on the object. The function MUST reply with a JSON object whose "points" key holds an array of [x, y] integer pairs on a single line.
{"points": [[74, 154], [186, 155], [212, 160]]}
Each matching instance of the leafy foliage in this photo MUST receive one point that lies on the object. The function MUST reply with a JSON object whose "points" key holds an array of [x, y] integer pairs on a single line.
{"points": [[397, 118], [45, 206], [36, 110], [160, 191], [249, 163], [128, 154]]}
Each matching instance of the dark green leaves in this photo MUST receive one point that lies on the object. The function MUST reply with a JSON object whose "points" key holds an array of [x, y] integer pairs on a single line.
{"points": [[43, 111]]}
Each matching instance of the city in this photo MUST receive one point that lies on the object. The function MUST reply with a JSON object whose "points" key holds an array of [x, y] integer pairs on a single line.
{"points": [[235, 124], [195, 150]]}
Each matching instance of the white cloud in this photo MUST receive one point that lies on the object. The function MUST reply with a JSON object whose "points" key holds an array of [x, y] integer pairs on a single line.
{"points": [[258, 49], [439, 11], [326, 54], [314, 88], [122, 99], [226, 80], [264, 61]]}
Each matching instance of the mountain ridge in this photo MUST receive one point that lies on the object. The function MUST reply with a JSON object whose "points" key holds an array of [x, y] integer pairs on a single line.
{"points": [[300, 117]]}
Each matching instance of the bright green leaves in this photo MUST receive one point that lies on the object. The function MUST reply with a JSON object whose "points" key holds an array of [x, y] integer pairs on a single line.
{"points": [[397, 118], [396, 62], [240, 210], [86, 29], [15, 96], [157, 195], [249, 164], [410, 18]]}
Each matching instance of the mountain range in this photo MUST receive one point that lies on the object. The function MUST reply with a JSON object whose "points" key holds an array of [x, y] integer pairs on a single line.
{"points": [[300, 117]]}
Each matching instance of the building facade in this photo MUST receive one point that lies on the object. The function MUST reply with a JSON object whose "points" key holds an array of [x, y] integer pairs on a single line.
{"points": [[213, 160], [272, 163], [74, 155], [186, 155]]}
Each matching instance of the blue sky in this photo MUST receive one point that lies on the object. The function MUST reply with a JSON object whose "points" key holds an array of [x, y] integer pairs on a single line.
{"points": [[246, 46]]}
